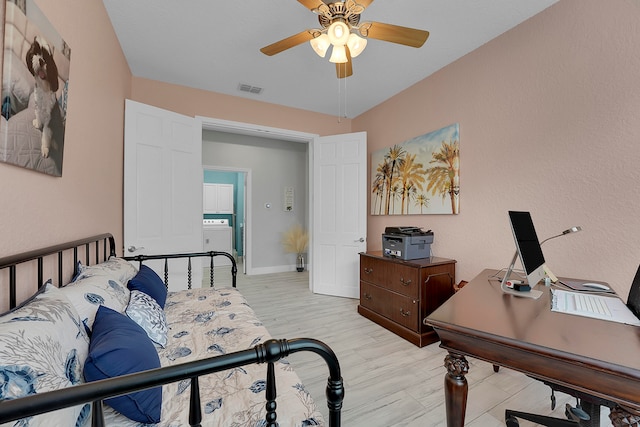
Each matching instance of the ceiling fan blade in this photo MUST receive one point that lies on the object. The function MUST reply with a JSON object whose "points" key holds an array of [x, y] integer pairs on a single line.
{"points": [[394, 33], [311, 4], [346, 68], [364, 3], [287, 43]]}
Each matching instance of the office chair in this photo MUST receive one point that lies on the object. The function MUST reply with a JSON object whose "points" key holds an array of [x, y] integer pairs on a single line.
{"points": [[633, 300], [586, 413]]}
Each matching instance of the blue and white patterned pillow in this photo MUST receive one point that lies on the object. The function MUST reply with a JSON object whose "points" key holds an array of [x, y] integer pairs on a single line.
{"points": [[43, 347], [145, 311], [90, 292], [114, 268]]}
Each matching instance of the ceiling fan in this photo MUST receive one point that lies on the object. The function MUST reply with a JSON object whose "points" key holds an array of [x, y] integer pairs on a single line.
{"points": [[341, 28]]}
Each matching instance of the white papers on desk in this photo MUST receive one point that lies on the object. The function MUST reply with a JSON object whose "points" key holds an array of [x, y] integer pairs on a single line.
{"points": [[566, 302]]}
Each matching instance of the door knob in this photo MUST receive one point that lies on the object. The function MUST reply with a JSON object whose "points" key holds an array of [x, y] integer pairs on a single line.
{"points": [[360, 240], [133, 248]]}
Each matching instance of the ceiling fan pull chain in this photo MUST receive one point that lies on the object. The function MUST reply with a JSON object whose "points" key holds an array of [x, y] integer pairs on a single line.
{"points": [[342, 114], [345, 98], [339, 102]]}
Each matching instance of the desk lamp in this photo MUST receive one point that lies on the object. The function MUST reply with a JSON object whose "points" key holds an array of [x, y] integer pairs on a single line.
{"points": [[565, 232], [571, 230]]}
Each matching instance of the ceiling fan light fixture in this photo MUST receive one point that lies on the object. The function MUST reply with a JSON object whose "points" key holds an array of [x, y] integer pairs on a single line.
{"points": [[320, 45], [341, 30], [356, 44], [338, 33], [338, 55]]}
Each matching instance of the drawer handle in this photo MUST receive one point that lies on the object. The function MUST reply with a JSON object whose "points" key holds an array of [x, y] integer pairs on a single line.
{"points": [[405, 313], [405, 282], [367, 296], [368, 270]]}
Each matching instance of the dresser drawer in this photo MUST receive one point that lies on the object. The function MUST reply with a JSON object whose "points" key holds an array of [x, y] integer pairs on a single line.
{"points": [[399, 308], [394, 276]]}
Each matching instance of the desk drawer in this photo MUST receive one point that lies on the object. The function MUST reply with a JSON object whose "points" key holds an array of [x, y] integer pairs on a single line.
{"points": [[394, 306], [396, 277]]}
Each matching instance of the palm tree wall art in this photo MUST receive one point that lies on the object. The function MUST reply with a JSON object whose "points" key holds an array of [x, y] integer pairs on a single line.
{"points": [[418, 176]]}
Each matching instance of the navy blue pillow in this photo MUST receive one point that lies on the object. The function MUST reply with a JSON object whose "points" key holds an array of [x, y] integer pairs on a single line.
{"points": [[118, 347], [147, 281]]}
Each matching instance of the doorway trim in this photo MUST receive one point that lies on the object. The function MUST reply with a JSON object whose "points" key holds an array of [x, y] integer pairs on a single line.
{"points": [[241, 128]]}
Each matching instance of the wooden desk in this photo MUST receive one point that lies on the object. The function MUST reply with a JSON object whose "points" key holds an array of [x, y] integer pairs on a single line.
{"points": [[595, 357]]}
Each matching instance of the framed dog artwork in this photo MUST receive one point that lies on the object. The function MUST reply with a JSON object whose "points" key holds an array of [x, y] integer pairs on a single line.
{"points": [[35, 82]]}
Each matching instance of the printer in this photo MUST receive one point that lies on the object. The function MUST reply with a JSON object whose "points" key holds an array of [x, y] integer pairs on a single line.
{"points": [[406, 242]]}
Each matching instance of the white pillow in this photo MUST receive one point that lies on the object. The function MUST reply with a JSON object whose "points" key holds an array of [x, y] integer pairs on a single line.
{"points": [[115, 268], [18, 83], [88, 293]]}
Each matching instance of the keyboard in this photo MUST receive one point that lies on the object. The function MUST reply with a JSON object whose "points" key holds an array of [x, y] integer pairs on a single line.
{"points": [[600, 307], [591, 304]]}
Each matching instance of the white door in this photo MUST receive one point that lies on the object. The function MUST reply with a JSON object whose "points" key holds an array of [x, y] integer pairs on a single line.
{"points": [[163, 187], [243, 221], [339, 213]]}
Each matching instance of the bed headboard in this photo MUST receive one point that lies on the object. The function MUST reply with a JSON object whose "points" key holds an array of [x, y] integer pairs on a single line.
{"points": [[21, 275]]}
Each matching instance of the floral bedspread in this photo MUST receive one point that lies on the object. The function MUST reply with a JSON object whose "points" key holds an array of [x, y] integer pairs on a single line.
{"points": [[209, 322]]}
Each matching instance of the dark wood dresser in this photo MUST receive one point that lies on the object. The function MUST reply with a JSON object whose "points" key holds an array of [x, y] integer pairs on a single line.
{"points": [[399, 294]]}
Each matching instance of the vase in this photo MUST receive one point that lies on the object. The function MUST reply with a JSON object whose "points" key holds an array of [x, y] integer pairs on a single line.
{"points": [[300, 263]]}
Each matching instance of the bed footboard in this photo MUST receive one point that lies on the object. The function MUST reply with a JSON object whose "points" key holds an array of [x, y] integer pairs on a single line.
{"points": [[269, 352]]}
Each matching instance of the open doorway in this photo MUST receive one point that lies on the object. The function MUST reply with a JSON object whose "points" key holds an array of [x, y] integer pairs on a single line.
{"points": [[276, 170], [225, 208], [328, 179]]}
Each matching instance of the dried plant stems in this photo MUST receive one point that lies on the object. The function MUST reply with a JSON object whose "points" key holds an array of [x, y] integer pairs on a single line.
{"points": [[295, 239]]}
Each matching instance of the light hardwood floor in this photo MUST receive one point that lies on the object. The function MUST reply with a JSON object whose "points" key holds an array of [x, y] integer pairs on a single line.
{"points": [[388, 381]]}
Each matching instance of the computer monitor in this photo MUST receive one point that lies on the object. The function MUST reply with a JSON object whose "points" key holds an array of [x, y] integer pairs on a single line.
{"points": [[528, 246], [529, 251]]}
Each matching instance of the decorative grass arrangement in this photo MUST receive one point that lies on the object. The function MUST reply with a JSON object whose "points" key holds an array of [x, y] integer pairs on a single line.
{"points": [[295, 240]]}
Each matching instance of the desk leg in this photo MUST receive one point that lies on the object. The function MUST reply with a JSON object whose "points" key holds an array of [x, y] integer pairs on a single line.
{"points": [[455, 389], [622, 418]]}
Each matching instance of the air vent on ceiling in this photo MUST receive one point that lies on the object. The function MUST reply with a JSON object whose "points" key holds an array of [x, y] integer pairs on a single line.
{"points": [[243, 87]]}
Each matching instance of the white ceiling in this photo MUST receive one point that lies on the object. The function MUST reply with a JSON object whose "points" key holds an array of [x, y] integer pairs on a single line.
{"points": [[214, 45]]}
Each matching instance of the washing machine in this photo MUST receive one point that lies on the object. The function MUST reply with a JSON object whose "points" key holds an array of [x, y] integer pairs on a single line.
{"points": [[218, 236]]}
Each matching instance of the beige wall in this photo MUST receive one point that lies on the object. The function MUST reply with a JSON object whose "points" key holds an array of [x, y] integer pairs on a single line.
{"points": [[549, 117], [39, 210], [193, 102]]}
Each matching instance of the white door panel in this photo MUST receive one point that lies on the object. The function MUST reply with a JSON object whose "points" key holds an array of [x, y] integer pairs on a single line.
{"points": [[163, 186], [340, 217]]}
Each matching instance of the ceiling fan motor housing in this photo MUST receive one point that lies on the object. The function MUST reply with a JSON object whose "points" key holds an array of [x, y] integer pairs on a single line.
{"points": [[347, 12]]}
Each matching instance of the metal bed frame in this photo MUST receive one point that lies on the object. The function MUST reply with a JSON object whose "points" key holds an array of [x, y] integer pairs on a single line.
{"points": [[99, 248], [211, 255]]}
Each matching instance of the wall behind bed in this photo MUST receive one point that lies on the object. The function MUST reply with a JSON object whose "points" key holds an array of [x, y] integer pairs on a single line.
{"points": [[40, 210]]}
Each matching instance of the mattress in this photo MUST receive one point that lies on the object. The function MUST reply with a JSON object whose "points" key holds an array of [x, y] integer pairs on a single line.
{"points": [[210, 322]]}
